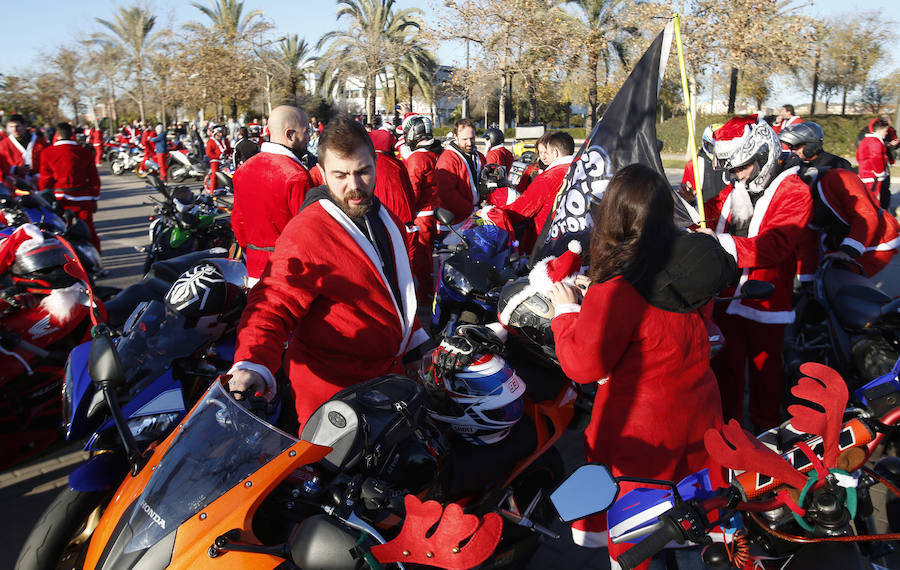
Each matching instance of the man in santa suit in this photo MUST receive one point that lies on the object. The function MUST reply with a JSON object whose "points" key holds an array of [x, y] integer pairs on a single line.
{"points": [[69, 170], [392, 186], [338, 287], [872, 156], [145, 144], [269, 188], [457, 172], [892, 142], [847, 222], [20, 151], [785, 119], [535, 206], [496, 152], [217, 150], [160, 144], [421, 163], [96, 137], [760, 218]]}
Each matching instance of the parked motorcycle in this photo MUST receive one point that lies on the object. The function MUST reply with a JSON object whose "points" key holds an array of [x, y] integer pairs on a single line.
{"points": [[128, 158], [186, 222], [183, 167], [846, 323], [797, 497], [470, 279], [228, 489], [172, 349]]}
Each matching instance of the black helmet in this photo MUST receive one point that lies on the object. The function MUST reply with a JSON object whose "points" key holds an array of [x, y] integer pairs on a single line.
{"points": [[493, 136], [809, 134], [418, 131], [39, 265], [528, 315], [492, 177], [528, 157], [212, 294]]}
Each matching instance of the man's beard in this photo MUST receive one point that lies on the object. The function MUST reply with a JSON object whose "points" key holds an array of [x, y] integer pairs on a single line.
{"points": [[355, 210]]}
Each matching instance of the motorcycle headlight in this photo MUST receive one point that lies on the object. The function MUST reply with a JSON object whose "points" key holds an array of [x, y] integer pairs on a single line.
{"points": [[67, 397], [151, 428], [454, 279]]}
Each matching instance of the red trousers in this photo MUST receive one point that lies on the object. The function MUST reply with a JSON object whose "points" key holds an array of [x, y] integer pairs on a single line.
{"points": [[423, 263], [147, 155], [211, 177], [85, 211], [98, 154], [755, 347], [163, 161]]}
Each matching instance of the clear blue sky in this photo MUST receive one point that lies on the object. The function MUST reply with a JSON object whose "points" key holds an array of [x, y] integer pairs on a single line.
{"points": [[48, 23]]}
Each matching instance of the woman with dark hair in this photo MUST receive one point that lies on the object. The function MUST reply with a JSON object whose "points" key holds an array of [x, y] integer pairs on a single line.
{"points": [[640, 334]]}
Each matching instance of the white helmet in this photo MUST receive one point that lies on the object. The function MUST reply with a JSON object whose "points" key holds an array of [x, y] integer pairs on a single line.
{"points": [[484, 400], [747, 139]]}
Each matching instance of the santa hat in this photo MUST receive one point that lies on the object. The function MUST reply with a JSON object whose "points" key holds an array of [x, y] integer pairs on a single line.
{"points": [[544, 275], [24, 239], [382, 140], [731, 135]]}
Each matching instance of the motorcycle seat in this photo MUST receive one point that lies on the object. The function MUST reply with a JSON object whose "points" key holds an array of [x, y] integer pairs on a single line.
{"points": [[471, 469], [171, 269], [854, 298], [120, 307]]}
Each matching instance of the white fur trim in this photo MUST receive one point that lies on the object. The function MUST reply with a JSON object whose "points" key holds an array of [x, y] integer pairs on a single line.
{"points": [[417, 338], [765, 317], [60, 302], [472, 185], [886, 246], [407, 314], [565, 308], [806, 277], [590, 539], [538, 277], [561, 160], [259, 369], [514, 301], [854, 244], [275, 148], [727, 243], [498, 329], [574, 246]]}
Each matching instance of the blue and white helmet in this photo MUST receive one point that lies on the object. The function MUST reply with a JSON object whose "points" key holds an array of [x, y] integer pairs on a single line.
{"points": [[484, 400]]}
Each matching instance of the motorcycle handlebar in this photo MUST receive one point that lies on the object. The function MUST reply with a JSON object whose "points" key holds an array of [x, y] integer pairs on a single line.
{"points": [[653, 543]]}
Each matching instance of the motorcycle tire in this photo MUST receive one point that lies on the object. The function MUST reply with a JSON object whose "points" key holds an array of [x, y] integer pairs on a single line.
{"points": [[141, 172], [179, 177], [62, 534], [873, 357], [117, 168]]}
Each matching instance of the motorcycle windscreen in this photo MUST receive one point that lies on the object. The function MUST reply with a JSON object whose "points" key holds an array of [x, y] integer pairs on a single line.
{"points": [[154, 336], [220, 445]]}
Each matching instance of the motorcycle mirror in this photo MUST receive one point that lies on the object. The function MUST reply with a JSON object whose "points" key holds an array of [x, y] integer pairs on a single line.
{"points": [[444, 216], [589, 490], [104, 365], [754, 289]]}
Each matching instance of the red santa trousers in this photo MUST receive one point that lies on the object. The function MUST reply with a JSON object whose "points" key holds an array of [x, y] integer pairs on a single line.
{"points": [[98, 154], [211, 177], [755, 347], [163, 161]]}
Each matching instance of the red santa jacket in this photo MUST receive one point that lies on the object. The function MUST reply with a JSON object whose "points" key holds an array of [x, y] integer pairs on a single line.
{"points": [[217, 150], [779, 126], [13, 154], [499, 155], [96, 137], [145, 140], [850, 218], [268, 191], [69, 170], [316, 176], [871, 154], [769, 252], [326, 291], [457, 186], [421, 165], [535, 205], [647, 362], [393, 188]]}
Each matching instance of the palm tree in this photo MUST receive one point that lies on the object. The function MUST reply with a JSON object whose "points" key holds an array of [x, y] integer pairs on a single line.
{"points": [[418, 65], [131, 28], [228, 22], [605, 43], [293, 57], [372, 42]]}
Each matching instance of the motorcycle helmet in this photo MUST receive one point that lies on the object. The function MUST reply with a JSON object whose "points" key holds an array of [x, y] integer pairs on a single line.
{"points": [[418, 132], [494, 137], [480, 403], [707, 142], [528, 316], [492, 177], [38, 265], [211, 295], [744, 140], [808, 134], [528, 157]]}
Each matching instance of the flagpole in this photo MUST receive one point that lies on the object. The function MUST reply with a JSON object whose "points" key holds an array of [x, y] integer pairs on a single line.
{"points": [[690, 122]]}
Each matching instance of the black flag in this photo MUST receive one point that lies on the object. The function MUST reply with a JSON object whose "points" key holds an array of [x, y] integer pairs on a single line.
{"points": [[626, 134]]}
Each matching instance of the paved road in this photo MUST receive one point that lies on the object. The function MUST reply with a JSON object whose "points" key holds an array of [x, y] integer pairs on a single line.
{"points": [[122, 222]]}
